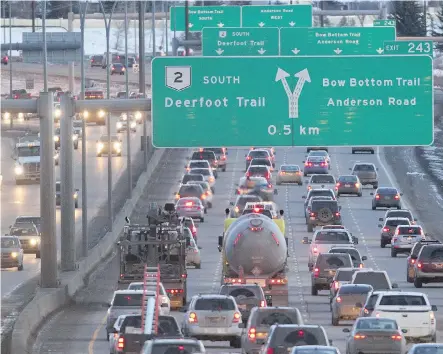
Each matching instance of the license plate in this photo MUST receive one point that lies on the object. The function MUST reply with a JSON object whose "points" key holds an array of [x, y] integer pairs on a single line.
{"points": [[387, 198], [439, 265], [316, 164], [214, 319], [347, 185], [378, 338]]}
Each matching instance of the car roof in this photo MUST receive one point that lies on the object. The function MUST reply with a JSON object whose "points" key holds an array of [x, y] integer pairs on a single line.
{"points": [[212, 296], [321, 189], [298, 325], [407, 293], [364, 163], [128, 292], [199, 161]]}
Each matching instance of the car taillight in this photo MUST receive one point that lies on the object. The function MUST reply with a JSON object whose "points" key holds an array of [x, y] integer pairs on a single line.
{"points": [[338, 184], [223, 158], [251, 334], [359, 336], [315, 250], [175, 291], [412, 261], [323, 164], [248, 174], [194, 230], [309, 164], [236, 318], [16, 96], [113, 68], [184, 276], [262, 303], [313, 215], [270, 351], [203, 196], [248, 158], [193, 317], [338, 299], [361, 265], [377, 196], [386, 229], [236, 209], [357, 185], [336, 285], [397, 197], [419, 265], [211, 179], [121, 343], [269, 185], [337, 214], [396, 337], [316, 272]]}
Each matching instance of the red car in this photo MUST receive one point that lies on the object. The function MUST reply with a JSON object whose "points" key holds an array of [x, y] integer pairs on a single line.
{"points": [[5, 60]]}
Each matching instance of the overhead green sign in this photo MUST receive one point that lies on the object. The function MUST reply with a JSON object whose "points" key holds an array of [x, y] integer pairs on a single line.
{"points": [[277, 16], [240, 41], [287, 101], [334, 40], [205, 16], [378, 23], [409, 47]]}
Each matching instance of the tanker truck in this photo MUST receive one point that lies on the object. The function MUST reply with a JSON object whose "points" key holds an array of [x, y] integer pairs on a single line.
{"points": [[254, 251]]}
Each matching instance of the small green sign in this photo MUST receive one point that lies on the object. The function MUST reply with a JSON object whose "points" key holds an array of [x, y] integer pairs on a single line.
{"points": [[409, 47], [205, 16], [292, 101], [277, 16], [383, 23], [240, 41], [334, 41]]}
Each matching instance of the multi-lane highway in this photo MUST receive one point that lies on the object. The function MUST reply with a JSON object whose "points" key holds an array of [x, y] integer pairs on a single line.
{"points": [[25, 199], [79, 328]]}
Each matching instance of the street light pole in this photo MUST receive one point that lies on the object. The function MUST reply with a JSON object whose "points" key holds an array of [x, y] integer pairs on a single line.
{"points": [[128, 127], [166, 25], [45, 52], [153, 27], [10, 60], [142, 76]]}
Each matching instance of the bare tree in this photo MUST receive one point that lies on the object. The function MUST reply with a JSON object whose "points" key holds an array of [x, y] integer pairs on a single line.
{"points": [[361, 19], [119, 35]]}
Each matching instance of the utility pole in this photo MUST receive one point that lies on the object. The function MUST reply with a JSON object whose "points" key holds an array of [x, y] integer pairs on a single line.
{"points": [[166, 25], [128, 125], [71, 64], [153, 27], [135, 27], [322, 20], [142, 76], [33, 15], [186, 27]]}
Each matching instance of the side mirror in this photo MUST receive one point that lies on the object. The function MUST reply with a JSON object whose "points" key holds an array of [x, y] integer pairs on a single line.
{"points": [[371, 193], [364, 258], [231, 203], [394, 286], [434, 307], [380, 225], [241, 325], [359, 305], [304, 197], [127, 220], [282, 212], [355, 240], [380, 219], [404, 331], [220, 240], [275, 191], [303, 161], [227, 211], [346, 330]]}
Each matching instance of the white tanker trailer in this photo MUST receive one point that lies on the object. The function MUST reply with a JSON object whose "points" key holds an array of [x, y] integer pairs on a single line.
{"points": [[254, 250]]}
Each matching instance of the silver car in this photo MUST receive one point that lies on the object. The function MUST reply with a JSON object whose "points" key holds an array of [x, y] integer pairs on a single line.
{"points": [[343, 304], [322, 181], [315, 165], [314, 349], [426, 348], [207, 173], [386, 197], [405, 236], [375, 335], [349, 184], [288, 173], [122, 125], [173, 345], [11, 252], [214, 318], [190, 207]]}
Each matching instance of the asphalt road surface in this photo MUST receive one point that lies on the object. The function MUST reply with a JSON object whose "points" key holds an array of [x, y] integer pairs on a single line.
{"points": [[79, 328]]}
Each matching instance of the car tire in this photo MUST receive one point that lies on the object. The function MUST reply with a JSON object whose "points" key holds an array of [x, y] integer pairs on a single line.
{"points": [[393, 253], [314, 291], [335, 321], [374, 207], [206, 210], [418, 283], [375, 186], [360, 195], [202, 219], [353, 152], [310, 228], [107, 336], [209, 205], [37, 255], [398, 207], [382, 245], [300, 183], [198, 266], [235, 343], [20, 267], [305, 174]]}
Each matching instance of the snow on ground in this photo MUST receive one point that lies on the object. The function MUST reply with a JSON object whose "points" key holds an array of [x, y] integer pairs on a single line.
{"points": [[433, 155]]}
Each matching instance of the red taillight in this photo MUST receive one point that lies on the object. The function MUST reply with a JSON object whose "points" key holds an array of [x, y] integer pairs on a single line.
{"points": [[184, 276], [16, 96], [270, 351], [412, 261], [262, 303], [248, 158], [386, 229], [396, 337], [269, 185], [337, 214], [223, 157], [252, 334], [121, 343], [336, 285], [323, 164], [316, 272], [113, 68], [313, 215], [248, 174], [267, 177], [315, 250], [377, 196], [309, 164], [397, 197], [174, 291], [419, 265], [193, 317], [361, 265], [338, 299], [236, 318], [338, 184], [194, 230]]}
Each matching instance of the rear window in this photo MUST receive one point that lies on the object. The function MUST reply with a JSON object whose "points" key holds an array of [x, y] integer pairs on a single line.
{"points": [[204, 185], [387, 191], [94, 95], [355, 256], [334, 261], [201, 171], [316, 159], [318, 204], [320, 193], [302, 336], [190, 177], [377, 323], [24, 219], [413, 230], [322, 179], [364, 168], [345, 275], [177, 348], [9, 242], [217, 151], [197, 164], [255, 153], [241, 293], [241, 202], [290, 168], [347, 179], [257, 169], [268, 318], [377, 280], [260, 162], [127, 300], [205, 155], [427, 349], [357, 290], [402, 300], [331, 236], [399, 214], [190, 189], [214, 305], [396, 222], [437, 255]]}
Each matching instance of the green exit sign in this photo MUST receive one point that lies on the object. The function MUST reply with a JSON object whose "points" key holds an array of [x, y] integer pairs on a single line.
{"points": [[205, 16], [378, 23], [277, 16], [409, 47]]}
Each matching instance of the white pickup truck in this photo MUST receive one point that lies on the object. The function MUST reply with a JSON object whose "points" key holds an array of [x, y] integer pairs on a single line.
{"points": [[322, 181]]}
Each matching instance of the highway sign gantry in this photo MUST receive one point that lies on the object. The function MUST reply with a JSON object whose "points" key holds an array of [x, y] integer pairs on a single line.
{"points": [[409, 48], [240, 41], [334, 40], [205, 16], [292, 101], [277, 16], [384, 23]]}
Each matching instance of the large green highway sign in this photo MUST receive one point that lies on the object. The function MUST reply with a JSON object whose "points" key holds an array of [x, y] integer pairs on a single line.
{"points": [[292, 101], [240, 41], [335, 40], [277, 16], [409, 47], [205, 16], [378, 23]]}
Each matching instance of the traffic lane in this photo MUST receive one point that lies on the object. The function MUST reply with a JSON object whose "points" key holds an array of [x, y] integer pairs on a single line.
{"points": [[80, 328]]}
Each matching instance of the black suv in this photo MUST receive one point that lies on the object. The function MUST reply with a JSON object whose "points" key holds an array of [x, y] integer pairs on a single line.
{"points": [[324, 212], [324, 270], [429, 265], [206, 155], [247, 296]]}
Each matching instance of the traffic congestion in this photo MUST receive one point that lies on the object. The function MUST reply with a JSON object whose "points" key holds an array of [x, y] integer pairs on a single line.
{"points": [[300, 266]]}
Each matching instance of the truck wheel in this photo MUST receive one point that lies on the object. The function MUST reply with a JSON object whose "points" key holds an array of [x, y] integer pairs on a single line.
{"points": [[235, 343], [202, 219], [37, 255], [314, 291], [393, 253], [76, 204], [382, 244], [20, 267], [206, 210], [417, 282], [107, 336]]}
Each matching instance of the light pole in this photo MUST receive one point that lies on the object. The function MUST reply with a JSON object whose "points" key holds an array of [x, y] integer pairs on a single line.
{"points": [[166, 24], [142, 76], [10, 60], [85, 236], [153, 27], [128, 126], [108, 123]]}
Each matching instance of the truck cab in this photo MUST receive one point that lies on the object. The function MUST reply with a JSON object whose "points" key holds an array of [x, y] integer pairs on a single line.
{"points": [[27, 160]]}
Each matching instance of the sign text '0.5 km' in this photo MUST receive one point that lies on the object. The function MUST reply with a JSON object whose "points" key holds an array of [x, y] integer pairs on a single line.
{"points": [[277, 16], [240, 41], [292, 101], [409, 48]]}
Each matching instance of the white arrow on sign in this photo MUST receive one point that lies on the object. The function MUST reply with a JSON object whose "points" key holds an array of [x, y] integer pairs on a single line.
{"points": [[219, 51], [261, 24], [303, 76], [379, 50], [190, 25], [281, 76], [220, 24], [295, 51], [292, 23], [337, 51], [261, 51]]}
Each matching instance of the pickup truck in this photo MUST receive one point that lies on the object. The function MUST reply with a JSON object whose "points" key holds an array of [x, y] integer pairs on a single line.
{"points": [[131, 339]]}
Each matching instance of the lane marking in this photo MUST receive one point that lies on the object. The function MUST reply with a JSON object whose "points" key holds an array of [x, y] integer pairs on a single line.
{"points": [[95, 335]]}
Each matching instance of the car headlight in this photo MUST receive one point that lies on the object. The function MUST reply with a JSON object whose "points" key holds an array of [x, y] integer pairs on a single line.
{"points": [[85, 114], [7, 115], [100, 146], [75, 195], [14, 254], [33, 241], [116, 145], [124, 116], [75, 137], [21, 115], [133, 124], [56, 138], [101, 113], [119, 125], [58, 113], [18, 170], [138, 115]]}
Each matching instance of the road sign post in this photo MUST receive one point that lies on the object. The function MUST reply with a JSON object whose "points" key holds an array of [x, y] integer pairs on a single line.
{"points": [[335, 40], [409, 48], [240, 41], [384, 23], [284, 101], [205, 16], [277, 16]]}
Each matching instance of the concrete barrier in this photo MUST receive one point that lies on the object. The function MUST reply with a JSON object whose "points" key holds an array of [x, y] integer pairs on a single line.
{"points": [[48, 301]]}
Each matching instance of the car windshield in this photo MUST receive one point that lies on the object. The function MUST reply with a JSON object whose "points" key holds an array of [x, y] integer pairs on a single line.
{"points": [[127, 300], [204, 185], [364, 168], [216, 304], [28, 219], [302, 336], [434, 349], [240, 292], [290, 168], [376, 324], [23, 230], [9, 242], [27, 151], [331, 236], [403, 300], [334, 261], [318, 153], [377, 280], [217, 151], [322, 179], [201, 171], [175, 348], [192, 177], [318, 204], [399, 214], [268, 318], [316, 159], [345, 275], [396, 222], [258, 169], [256, 162], [355, 290], [349, 179], [190, 189], [355, 255]]}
